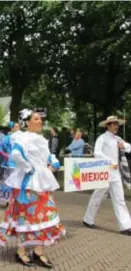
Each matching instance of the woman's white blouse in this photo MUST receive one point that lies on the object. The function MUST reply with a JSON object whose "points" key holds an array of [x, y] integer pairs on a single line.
{"points": [[37, 152], [15, 136]]}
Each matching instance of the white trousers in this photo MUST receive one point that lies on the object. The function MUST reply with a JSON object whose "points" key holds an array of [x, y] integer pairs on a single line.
{"points": [[117, 196]]}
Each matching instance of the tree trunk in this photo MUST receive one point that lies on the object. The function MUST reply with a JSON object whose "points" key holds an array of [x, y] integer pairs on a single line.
{"points": [[95, 121], [107, 111], [15, 104], [110, 92]]}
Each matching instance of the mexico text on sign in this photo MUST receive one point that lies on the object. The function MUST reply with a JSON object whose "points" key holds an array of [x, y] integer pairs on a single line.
{"points": [[85, 174]]}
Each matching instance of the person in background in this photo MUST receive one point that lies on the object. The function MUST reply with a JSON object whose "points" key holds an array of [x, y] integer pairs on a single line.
{"points": [[7, 146], [7, 164], [85, 137], [71, 136], [1, 157], [16, 133], [5, 130], [54, 142], [1, 134], [76, 148], [64, 135]]}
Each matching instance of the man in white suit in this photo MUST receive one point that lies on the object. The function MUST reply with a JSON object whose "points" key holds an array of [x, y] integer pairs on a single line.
{"points": [[107, 147]]}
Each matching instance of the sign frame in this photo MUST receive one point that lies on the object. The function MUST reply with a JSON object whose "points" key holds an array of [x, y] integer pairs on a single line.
{"points": [[81, 174]]}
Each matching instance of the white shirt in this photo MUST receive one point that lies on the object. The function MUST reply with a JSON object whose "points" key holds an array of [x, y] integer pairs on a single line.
{"points": [[106, 147], [37, 152], [15, 136]]}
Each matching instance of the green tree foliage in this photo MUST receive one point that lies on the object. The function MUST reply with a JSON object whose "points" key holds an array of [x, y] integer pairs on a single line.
{"points": [[93, 64], [1, 116], [43, 95], [23, 56], [123, 109], [82, 47]]}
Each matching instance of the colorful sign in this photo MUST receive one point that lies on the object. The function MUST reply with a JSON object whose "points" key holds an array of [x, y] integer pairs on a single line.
{"points": [[85, 174]]}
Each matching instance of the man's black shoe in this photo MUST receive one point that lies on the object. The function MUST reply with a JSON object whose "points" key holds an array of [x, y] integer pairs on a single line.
{"points": [[126, 232], [90, 226]]}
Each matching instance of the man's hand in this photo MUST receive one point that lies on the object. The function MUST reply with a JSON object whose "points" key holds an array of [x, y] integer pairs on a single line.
{"points": [[121, 145], [114, 167]]}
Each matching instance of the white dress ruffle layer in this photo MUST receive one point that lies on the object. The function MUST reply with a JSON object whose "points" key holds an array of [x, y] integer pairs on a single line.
{"points": [[37, 152]]}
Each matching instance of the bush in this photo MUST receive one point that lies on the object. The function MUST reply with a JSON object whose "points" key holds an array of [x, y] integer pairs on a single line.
{"points": [[46, 133], [1, 116]]}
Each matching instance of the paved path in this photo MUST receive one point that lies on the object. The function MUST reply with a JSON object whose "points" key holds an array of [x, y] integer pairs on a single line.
{"points": [[83, 249]]}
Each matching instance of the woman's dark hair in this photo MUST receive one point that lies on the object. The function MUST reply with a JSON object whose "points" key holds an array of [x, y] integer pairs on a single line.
{"points": [[27, 119], [55, 130], [11, 124], [110, 123], [23, 120], [74, 130]]}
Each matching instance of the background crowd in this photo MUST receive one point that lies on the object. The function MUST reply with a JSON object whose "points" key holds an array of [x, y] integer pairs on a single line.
{"points": [[68, 142]]}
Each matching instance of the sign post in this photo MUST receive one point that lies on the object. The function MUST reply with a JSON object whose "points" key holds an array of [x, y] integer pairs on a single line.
{"points": [[41, 111]]}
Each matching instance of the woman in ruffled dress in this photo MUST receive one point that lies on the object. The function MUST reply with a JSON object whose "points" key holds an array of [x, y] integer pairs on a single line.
{"points": [[32, 215], [6, 147], [7, 164]]}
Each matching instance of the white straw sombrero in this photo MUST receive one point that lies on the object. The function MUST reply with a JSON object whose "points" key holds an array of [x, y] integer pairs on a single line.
{"points": [[111, 119]]}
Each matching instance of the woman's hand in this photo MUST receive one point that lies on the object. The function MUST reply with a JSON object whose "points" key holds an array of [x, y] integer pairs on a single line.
{"points": [[52, 169]]}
